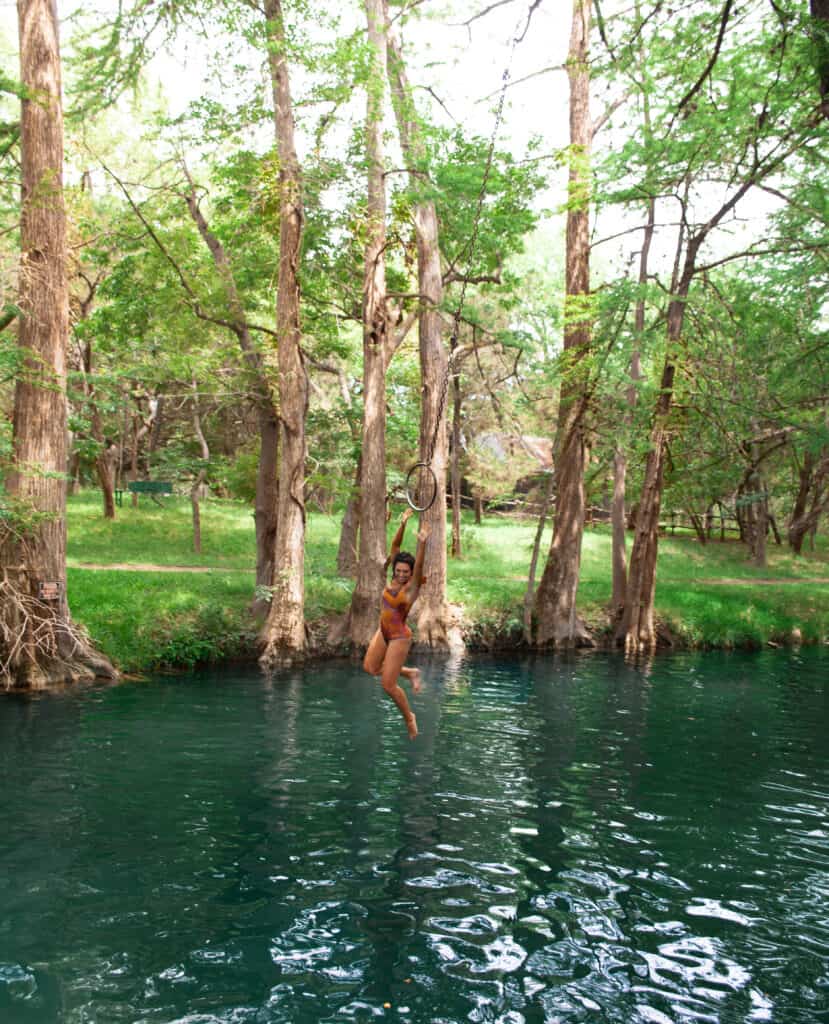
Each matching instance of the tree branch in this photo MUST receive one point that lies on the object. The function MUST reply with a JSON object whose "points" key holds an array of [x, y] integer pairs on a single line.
{"points": [[482, 14], [601, 121], [195, 303], [533, 8], [776, 250], [437, 99], [453, 275], [519, 81], [400, 336], [709, 67]]}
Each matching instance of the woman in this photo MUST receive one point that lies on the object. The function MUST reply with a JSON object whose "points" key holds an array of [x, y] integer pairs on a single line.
{"points": [[390, 645]]}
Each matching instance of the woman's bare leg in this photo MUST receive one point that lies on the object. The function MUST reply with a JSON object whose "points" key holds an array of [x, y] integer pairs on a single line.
{"points": [[393, 663], [373, 661], [413, 675], [375, 653]]}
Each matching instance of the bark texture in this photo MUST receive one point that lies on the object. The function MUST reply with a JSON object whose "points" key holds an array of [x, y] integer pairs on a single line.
{"points": [[618, 555], [812, 498], [432, 609], [283, 635], [201, 476], [39, 645], [433, 612], [455, 465], [557, 623], [618, 516], [755, 501], [106, 459], [362, 617], [529, 593], [637, 623]]}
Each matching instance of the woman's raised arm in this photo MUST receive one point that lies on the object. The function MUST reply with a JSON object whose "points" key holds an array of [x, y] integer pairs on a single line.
{"points": [[397, 540], [417, 573]]}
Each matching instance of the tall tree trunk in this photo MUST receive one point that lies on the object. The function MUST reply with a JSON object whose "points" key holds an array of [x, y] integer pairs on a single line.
{"points": [[637, 626], [283, 636], [699, 524], [39, 645], [365, 602], [556, 620], [618, 552], [529, 593], [74, 469], [105, 459], [759, 505], [347, 550], [267, 407], [105, 465], [107, 454], [820, 46], [265, 504], [811, 500], [455, 464], [201, 476], [618, 516], [762, 520], [138, 431], [157, 415], [432, 614]]}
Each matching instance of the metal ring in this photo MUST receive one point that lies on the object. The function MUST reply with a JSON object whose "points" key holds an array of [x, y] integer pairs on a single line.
{"points": [[418, 502]]}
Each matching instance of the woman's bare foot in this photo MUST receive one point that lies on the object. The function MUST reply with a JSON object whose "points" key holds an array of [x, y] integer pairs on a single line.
{"points": [[416, 685], [411, 725]]}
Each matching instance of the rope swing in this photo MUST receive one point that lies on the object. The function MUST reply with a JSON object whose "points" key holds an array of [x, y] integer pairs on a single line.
{"points": [[421, 481]]}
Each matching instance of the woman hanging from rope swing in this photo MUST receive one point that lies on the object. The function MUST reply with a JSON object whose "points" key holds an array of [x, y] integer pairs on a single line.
{"points": [[389, 647]]}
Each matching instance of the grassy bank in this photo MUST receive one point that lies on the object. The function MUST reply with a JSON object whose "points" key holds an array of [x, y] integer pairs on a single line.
{"points": [[159, 611]]}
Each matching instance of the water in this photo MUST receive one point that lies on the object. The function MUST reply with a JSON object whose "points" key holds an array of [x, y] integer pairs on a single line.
{"points": [[567, 841]]}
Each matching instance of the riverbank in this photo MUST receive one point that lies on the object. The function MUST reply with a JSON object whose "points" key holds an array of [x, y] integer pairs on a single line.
{"points": [[150, 602]]}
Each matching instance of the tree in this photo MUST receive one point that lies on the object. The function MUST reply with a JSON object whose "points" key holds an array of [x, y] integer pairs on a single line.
{"points": [[432, 609], [39, 644], [557, 622], [377, 348], [740, 120], [283, 635], [264, 399], [820, 32]]}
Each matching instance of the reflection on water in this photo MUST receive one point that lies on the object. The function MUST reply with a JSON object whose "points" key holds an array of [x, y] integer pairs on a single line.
{"points": [[567, 841]]}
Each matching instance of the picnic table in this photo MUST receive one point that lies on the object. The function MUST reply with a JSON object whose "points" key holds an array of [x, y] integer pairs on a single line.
{"points": [[152, 487]]}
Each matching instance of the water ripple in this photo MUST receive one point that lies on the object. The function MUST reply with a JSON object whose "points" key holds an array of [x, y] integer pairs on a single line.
{"points": [[568, 841]]}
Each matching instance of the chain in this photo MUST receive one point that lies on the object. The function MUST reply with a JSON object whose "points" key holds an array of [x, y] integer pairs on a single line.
{"points": [[467, 251]]}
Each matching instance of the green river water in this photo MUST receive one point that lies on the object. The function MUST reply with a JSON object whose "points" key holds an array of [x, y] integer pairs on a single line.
{"points": [[575, 840]]}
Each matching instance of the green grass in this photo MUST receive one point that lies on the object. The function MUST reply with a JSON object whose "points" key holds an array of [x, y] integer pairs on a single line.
{"points": [[147, 620], [160, 536], [152, 619]]}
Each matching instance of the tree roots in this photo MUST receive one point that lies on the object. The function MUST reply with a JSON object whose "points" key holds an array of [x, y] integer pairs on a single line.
{"points": [[40, 646]]}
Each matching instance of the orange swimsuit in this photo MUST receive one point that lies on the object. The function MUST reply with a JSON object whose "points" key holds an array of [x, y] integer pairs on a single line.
{"points": [[393, 614]]}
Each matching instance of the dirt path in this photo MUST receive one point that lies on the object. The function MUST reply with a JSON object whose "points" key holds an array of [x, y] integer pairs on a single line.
{"points": [[148, 567], [708, 582], [771, 582]]}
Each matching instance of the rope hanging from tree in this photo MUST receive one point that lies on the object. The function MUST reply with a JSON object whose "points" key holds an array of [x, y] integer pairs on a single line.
{"points": [[421, 481]]}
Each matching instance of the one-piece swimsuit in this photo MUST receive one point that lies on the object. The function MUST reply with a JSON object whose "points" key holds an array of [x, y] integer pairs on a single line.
{"points": [[393, 614]]}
